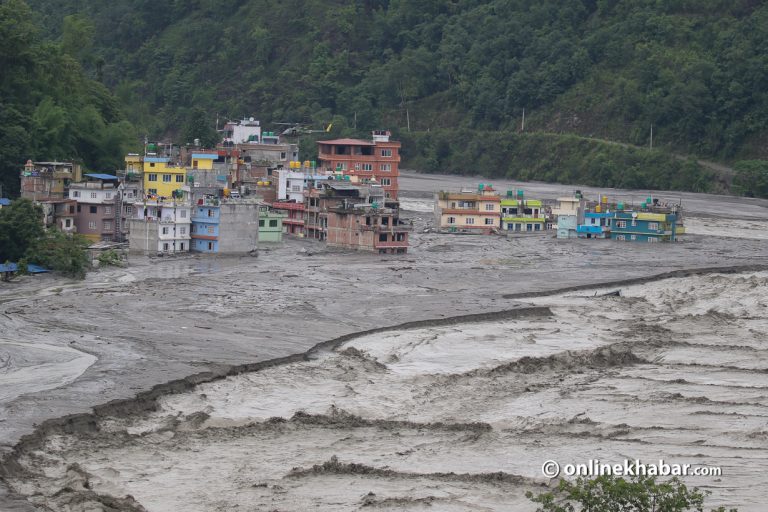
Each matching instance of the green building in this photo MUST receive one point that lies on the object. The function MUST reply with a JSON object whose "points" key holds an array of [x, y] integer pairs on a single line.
{"points": [[270, 224]]}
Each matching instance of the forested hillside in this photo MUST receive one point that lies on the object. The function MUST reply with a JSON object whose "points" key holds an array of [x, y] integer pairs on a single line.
{"points": [[694, 70]]}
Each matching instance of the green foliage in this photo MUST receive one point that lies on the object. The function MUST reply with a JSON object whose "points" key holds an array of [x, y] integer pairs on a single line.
{"points": [[110, 258], [200, 126], [551, 158], [61, 252], [611, 494], [751, 178], [20, 225], [49, 108]]}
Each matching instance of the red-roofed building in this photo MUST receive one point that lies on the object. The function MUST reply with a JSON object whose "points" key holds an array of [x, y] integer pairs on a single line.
{"points": [[377, 159]]}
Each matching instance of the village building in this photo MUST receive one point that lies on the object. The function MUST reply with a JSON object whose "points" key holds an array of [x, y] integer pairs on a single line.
{"points": [[99, 213], [270, 224], [376, 160], [225, 225], [468, 211], [160, 226], [361, 218], [59, 214], [568, 214], [522, 215], [161, 179], [48, 180]]}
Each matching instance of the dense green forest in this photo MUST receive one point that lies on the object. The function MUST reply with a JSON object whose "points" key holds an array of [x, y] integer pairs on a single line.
{"points": [[694, 70]]}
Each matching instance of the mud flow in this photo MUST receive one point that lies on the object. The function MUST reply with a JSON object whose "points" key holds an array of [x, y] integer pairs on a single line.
{"points": [[451, 415]]}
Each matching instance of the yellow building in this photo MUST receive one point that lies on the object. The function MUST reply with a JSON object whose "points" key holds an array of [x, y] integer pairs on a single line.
{"points": [[203, 161], [161, 179], [468, 211]]}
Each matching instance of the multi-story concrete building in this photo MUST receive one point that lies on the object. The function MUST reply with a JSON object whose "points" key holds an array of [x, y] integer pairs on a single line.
{"points": [[99, 213], [225, 226], [522, 215], [48, 180], [377, 159], [468, 211], [161, 179], [59, 214], [161, 226], [246, 130], [270, 224], [569, 213]]}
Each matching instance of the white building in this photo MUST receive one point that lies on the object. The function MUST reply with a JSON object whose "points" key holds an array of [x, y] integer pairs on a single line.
{"points": [[247, 130], [161, 226], [292, 184]]}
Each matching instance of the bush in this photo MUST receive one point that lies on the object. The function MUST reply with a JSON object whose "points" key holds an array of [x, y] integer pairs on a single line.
{"points": [[61, 252], [110, 258], [609, 494], [751, 178]]}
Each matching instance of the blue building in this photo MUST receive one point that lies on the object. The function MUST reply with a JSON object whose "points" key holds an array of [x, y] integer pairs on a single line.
{"points": [[205, 226], [597, 224], [645, 226]]}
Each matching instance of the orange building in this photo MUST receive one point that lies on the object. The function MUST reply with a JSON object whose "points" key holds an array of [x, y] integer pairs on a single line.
{"points": [[377, 160]]}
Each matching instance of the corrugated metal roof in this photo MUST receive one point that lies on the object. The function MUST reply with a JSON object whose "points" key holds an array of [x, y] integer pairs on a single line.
{"points": [[101, 176], [204, 156], [156, 159], [347, 142], [13, 267], [4, 201]]}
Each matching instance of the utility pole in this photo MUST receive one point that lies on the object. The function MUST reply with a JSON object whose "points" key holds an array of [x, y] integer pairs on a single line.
{"points": [[651, 135], [523, 124]]}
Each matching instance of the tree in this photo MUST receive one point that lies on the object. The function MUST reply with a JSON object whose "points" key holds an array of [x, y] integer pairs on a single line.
{"points": [[21, 223], [611, 494], [199, 126], [61, 252], [751, 178]]}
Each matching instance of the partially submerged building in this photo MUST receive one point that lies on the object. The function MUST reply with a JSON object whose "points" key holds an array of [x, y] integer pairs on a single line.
{"points": [[520, 214], [225, 225], [376, 160], [160, 226], [468, 211], [270, 224]]}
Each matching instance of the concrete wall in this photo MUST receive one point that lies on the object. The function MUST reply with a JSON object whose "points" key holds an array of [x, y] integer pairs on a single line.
{"points": [[143, 237], [238, 227]]}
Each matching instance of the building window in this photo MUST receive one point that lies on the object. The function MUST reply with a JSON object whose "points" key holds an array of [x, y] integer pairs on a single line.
{"points": [[296, 188], [210, 213], [489, 207], [182, 230], [210, 246], [621, 224], [93, 195], [194, 164], [341, 166], [152, 191], [183, 214], [181, 247], [282, 157], [367, 167], [179, 178], [451, 220], [165, 247], [210, 230], [152, 176], [633, 237], [107, 210], [620, 237], [537, 227], [386, 152], [652, 239], [261, 223], [152, 164], [108, 195], [107, 226], [386, 182], [165, 231], [653, 226], [470, 220], [75, 193], [273, 223], [166, 178], [92, 224], [93, 209], [488, 222], [385, 167], [67, 223], [357, 166], [128, 209]]}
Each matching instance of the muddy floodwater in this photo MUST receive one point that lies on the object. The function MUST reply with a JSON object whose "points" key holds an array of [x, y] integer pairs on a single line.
{"points": [[443, 378]]}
